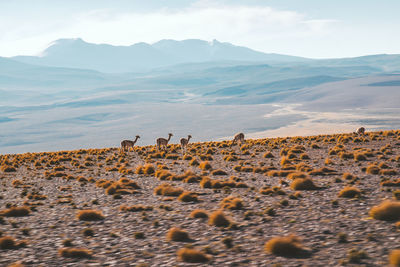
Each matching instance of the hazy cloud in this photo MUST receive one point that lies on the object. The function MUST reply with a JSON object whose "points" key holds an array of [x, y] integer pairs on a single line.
{"points": [[243, 25]]}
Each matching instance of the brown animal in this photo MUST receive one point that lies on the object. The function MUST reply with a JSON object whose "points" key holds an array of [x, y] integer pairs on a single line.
{"points": [[162, 142], [239, 138], [360, 130], [185, 142], [126, 144]]}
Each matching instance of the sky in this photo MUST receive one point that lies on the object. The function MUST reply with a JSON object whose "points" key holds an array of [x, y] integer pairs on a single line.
{"points": [[307, 28]]}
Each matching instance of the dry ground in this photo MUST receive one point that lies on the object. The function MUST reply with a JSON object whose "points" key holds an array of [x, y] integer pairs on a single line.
{"points": [[42, 195]]}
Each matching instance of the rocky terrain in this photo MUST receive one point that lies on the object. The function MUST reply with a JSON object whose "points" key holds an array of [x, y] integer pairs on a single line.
{"points": [[298, 201]]}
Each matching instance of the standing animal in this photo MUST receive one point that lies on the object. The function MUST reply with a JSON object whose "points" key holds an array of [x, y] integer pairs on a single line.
{"points": [[239, 138], [185, 142], [360, 130], [162, 142], [126, 144]]}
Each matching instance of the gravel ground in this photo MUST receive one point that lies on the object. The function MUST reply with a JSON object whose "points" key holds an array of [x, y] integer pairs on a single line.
{"points": [[311, 216]]}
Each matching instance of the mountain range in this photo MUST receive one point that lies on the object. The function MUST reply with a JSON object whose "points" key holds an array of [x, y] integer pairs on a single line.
{"points": [[139, 57]]}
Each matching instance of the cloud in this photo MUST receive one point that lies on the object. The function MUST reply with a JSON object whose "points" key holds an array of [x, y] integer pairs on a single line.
{"points": [[211, 21], [253, 26]]}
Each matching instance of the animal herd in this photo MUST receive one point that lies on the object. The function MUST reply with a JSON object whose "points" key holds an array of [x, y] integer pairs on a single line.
{"points": [[162, 143]]}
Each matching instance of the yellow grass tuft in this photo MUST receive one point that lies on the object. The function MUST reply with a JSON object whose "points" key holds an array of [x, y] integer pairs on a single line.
{"points": [[205, 165], [232, 203], [287, 246], [394, 258], [386, 211], [199, 214], [350, 192], [188, 197], [218, 218], [7, 242], [77, 253], [168, 190], [303, 184], [16, 212], [90, 215], [192, 255], [178, 235]]}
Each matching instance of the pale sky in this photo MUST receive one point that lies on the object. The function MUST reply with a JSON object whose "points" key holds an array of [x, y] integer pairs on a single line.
{"points": [[308, 28]]}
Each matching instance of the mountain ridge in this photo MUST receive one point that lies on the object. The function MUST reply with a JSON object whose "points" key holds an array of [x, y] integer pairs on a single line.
{"points": [[76, 53]]}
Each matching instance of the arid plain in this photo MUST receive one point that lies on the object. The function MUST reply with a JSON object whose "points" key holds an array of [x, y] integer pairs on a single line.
{"points": [[325, 200]]}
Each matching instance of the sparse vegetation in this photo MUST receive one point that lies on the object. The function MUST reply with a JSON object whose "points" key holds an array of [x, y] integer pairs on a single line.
{"points": [[90, 215], [350, 192], [77, 253], [179, 235], [386, 211], [192, 255], [287, 246], [218, 218], [257, 188]]}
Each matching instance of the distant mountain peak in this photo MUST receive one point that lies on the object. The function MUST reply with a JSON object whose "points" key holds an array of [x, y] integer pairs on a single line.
{"points": [[76, 53]]}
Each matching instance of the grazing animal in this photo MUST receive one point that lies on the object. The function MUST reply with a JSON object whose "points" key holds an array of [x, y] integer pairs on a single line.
{"points": [[239, 138], [185, 142], [162, 142], [126, 144], [360, 130]]}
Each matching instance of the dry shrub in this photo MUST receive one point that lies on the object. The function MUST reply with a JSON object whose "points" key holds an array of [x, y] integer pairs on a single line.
{"points": [[168, 190], [135, 208], [128, 183], [348, 176], [148, 169], [246, 169], [388, 172], [218, 172], [372, 169], [163, 175], [304, 156], [287, 246], [283, 173], [303, 184], [295, 175], [205, 165], [360, 157], [194, 162], [386, 211], [192, 255], [206, 182], [7, 242], [177, 234], [268, 155], [266, 190], [285, 161], [232, 203], [77, 253], [199, 214], [16, 212], [139, 170], [218, 218], [6, 168], [90, 215], [188, 197], [394, 258], [323, 171], [350, 192], [172, 156]]}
